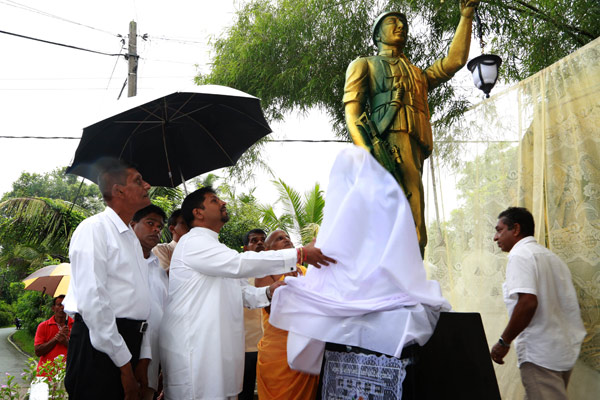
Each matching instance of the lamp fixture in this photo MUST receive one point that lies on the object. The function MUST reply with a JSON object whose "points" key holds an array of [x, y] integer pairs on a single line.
{"points": [[484, 68]]}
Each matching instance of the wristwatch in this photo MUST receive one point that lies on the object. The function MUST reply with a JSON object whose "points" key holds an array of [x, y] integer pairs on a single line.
{"points": [[269, 293], [503, 343]]}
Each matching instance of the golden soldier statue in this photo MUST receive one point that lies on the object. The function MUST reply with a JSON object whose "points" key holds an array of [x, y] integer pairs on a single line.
{"points": [[397, 131]]}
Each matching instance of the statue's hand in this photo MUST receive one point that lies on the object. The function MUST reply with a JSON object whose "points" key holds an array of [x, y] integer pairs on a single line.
{"points": [[467, 7]]}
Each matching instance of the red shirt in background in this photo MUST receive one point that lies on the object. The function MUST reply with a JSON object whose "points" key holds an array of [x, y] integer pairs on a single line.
{"points": [[46, 331]]}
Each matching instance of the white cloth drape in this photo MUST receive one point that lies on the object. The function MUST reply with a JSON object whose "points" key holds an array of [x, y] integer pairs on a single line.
{"points": [[377, 296]]}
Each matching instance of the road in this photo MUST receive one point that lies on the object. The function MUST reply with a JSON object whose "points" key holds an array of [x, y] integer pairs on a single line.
{"points": [[11, 360]]}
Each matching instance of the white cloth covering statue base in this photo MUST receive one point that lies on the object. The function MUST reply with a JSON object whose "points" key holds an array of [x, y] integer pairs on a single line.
{"points": [[377, 296]]}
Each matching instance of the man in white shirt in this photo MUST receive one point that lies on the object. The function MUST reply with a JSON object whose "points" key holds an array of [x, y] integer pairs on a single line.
{"points": [[542, 305], [254, 240], [108, 294], [147, 224], [202, 333]]}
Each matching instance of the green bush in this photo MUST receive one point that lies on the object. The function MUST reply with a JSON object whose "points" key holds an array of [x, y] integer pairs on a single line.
{"points": [[15, 289], [7, 316], [33, 308]]}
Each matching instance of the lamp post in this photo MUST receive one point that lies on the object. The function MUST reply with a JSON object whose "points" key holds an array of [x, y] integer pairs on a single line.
{"points": [[484, 68]]}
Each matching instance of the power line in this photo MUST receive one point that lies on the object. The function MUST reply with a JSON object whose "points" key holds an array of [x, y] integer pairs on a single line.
{"points": [[47, 14], [39, 137], [59, 44], [182, 41], [167, 61], [90, 78], [115, 66], [279, 140]]}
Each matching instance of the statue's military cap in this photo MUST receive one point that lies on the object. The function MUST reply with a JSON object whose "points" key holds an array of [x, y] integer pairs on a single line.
{"points": [[381, 17]]}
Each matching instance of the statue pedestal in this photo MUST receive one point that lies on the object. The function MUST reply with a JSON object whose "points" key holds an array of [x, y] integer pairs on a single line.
{"points": [[454, 364]]}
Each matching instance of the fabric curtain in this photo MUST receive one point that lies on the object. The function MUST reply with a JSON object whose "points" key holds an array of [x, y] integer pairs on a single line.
{"points": [[535, 145]]}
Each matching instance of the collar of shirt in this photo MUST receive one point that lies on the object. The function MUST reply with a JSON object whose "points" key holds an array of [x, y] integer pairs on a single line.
{"points": [[52, 320], [522, 242], [392, 53], [206, 231], [115, 219], [152, 258]]}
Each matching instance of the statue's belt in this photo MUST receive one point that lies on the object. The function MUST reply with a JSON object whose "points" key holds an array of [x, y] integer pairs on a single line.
{"points": [[409, 99]]}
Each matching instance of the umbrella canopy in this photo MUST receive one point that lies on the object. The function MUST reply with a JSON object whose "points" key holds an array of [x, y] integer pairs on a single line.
{"points": [[175, 137], [52, 280]]}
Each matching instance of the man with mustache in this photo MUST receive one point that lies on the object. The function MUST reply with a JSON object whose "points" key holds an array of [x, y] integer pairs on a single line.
{"points": [[545, 321], [253, 240], [147, 224], [52, 335], [108, 294], [202, 333]]}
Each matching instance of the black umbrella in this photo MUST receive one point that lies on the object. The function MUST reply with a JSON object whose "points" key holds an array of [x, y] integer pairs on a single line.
{"points": [[175, 137]]}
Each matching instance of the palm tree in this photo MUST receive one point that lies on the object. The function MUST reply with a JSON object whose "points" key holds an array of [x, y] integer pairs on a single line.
{"points": [[302, 215], [35, 229]]}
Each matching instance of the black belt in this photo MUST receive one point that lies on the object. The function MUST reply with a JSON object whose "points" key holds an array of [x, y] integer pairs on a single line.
{"points": [[123, 323]]}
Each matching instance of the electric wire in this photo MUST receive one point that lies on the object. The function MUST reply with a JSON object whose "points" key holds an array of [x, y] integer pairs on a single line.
{"points": [[59, 44], [47, 14], [115, 66], [277, 140], [182, 41]]}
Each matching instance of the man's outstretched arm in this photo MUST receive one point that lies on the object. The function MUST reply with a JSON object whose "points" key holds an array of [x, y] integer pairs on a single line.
{"points": [[519, 320]]}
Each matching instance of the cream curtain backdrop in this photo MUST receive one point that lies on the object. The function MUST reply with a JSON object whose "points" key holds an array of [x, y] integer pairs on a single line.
{"points": [[535, 145]]}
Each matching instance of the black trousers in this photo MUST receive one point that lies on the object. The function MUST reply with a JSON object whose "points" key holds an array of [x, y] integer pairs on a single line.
{"points": [[249, 376], [90, 373]]}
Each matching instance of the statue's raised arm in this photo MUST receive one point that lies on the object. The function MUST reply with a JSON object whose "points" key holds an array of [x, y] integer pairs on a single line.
{"points": [[459, 48], [397, 130]]}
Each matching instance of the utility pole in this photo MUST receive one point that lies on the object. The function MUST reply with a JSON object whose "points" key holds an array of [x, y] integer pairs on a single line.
{"points": [[133, 60]]}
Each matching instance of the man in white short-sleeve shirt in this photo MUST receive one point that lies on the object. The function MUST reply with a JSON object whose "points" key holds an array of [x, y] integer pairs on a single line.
{"points": [[545, 320]]}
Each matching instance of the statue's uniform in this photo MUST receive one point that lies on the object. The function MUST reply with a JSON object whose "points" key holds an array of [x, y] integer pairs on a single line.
{"points": [[375, 80]]}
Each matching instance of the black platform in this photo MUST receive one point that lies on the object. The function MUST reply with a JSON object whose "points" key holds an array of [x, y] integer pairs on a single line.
{"points": [[454, 363]]}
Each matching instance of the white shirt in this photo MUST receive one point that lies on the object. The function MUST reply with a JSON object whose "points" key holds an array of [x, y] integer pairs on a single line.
{"points": [[553, 337], [109, 280], [202, 332], [159, 287]]}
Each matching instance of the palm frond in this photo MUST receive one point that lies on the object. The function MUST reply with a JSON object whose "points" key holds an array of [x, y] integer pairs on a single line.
{"points": [[314, 205], [39, 222], [309, 232], [175, 195], [272, 222], [292, 202]]}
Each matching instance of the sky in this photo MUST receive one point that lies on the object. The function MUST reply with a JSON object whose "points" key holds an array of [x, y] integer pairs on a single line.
{"points": [[52, 91]]}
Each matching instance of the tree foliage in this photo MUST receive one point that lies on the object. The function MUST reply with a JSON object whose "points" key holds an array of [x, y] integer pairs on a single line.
{"points": [[57, 185], [293, 54], [244, 215]]}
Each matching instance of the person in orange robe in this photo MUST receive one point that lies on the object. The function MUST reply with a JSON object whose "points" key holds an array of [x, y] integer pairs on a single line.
{"points": [[274, 378]]}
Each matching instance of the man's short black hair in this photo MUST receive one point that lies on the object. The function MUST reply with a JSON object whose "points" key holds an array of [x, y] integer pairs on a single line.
{"points": [[174, 216], [151, 209], [521, 216], [192, 201], [257, 231], [61, 296], [112, 171]]}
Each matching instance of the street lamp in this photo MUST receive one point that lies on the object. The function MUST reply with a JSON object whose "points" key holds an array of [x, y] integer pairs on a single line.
{"points": [[484, 68]]}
